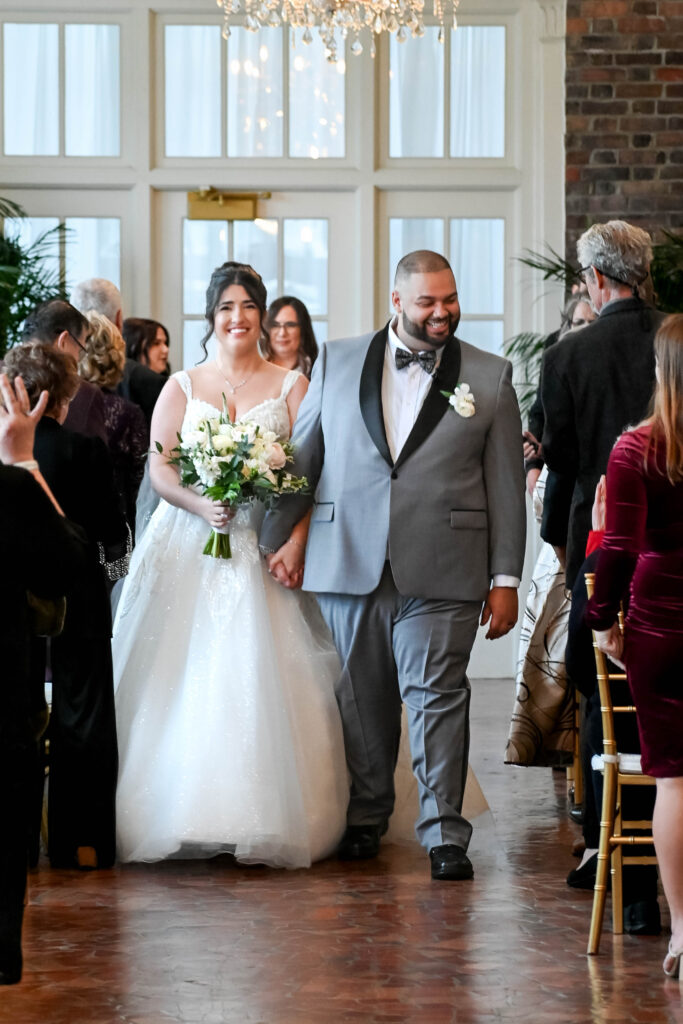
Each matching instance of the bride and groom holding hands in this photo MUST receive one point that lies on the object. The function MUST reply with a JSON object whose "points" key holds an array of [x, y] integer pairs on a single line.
{"points": [[413, 533]]}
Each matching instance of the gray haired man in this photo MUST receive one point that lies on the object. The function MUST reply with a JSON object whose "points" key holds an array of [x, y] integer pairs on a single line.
{"points": [[595, 382], [418, 520]]}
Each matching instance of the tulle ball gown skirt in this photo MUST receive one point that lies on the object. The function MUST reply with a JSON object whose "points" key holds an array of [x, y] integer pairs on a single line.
{"points": [[229, 734]]}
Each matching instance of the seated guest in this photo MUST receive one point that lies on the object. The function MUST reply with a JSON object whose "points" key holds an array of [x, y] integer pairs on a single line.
{"points": [[147, 342], [290, 341], [83, 753], [102, 364], [641, 910], [642, 555], [139, 384], [58, 323], [40, 551]]}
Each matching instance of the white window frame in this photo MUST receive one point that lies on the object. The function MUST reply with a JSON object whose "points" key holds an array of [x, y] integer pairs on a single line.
{"points": [[61, 18]]}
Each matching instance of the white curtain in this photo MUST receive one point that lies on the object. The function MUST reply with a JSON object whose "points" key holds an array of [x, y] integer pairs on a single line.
{"points": [[93, 249], [477, 257], [317, 110], [255, 104], [193, 90], [478, 91], [416, 96], [31, 88], [92, 87]]}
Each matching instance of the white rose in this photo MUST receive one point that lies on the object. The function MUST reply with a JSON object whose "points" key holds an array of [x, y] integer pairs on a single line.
{"points": [[222, 443], [462, 401], [463, 407], [276, 456]]}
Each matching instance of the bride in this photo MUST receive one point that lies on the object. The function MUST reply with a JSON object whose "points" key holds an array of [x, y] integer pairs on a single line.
{"points": [[229, 734]]}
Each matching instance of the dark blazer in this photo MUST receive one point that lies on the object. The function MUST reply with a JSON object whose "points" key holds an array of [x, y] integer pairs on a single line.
{"points": [[594, 383], [142, 386], [86, 412], [79, 472]]}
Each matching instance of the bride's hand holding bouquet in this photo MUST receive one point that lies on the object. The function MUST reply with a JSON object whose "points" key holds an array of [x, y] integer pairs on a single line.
{"points": [[232, 464]]}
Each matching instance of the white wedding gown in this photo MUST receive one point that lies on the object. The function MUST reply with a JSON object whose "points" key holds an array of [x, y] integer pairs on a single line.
{"points": [[229, 734]]}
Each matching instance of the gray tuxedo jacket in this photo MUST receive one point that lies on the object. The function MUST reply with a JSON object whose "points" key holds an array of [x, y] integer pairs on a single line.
{"points": [[449, 513]]}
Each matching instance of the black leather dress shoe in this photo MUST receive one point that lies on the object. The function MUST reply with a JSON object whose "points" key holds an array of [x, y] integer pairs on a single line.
{"points": [[360, 842], [10, 970], [450, 863], [642, 918], [584, 877]]}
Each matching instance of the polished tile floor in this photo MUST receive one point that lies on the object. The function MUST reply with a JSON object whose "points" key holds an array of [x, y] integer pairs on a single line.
{"points": [[376, 942]]}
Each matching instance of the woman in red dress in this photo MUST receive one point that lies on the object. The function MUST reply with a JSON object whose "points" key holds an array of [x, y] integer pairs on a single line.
{"points": [[643, 551]]}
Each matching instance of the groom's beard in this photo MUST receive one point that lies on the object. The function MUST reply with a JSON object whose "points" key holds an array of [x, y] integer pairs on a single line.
{"points": [[420, 331]]}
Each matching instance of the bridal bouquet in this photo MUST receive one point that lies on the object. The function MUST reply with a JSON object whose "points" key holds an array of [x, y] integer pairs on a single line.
{"points": [[234, 463]]}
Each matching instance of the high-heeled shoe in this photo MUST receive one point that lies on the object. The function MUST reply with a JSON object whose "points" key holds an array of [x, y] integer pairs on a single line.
{"points": [[673, 958]]}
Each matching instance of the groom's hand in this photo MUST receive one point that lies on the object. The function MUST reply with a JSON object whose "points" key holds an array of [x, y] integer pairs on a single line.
{"points": [[501, 609], [286, 567]]}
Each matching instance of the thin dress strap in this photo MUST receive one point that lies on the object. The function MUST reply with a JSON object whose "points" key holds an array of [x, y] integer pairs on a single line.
{"points": [[183, 378], [288, 383]]}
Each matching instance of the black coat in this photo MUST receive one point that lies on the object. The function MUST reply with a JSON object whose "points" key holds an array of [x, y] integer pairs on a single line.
{"points": [[79, 472], [86, 411], [594, 384], [40, 551], [142, 386]]}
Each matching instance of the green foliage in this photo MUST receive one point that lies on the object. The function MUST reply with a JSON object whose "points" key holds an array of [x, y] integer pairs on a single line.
{"points": [[525, 351], [25, 276], [553, 267], [667, 273]]}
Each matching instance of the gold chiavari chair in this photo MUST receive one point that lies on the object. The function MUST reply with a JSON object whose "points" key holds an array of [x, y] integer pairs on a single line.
{"points": [[619, 770]]}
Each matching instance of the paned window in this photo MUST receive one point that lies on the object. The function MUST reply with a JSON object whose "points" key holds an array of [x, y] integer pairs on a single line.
{"points": [[464, 76], [291, 255], [42, 118], [475, 248], [276, 101], [90, 246]]}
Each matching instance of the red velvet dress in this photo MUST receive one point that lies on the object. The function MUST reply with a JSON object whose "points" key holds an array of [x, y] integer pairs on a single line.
{"points": [[643, 548]]}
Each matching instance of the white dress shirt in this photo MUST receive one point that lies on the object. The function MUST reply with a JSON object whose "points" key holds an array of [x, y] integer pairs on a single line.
{"points": [[403, 395]]}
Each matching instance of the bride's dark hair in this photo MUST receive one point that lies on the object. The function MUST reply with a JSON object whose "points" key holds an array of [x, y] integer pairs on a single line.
{"points": [[222, 277]]}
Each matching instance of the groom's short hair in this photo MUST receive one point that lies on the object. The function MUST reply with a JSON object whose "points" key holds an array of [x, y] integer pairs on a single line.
{"points": [[422, 261]]}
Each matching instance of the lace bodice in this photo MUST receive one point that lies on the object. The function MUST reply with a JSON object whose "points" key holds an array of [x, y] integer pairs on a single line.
{"points": [[271, 414]]}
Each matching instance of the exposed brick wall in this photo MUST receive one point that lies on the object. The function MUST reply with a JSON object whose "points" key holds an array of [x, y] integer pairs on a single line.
{"points": [[624, 104]]}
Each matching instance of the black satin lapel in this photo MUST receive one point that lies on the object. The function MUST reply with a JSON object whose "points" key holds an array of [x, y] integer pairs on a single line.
{"points": [[371, 394], [435, 405]]}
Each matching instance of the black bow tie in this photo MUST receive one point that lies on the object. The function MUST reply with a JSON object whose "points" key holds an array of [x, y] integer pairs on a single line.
{"points": [[427, 360]]}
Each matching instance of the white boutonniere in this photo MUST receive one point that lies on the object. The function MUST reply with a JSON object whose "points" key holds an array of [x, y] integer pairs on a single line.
{"points": [[462, 400]]}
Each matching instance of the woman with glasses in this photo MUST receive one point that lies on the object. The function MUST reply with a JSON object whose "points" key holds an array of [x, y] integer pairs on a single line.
{"points": [[290, 341]]}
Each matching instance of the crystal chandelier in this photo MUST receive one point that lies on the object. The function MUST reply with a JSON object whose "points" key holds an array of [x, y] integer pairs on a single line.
{"points": [[347, 18]]}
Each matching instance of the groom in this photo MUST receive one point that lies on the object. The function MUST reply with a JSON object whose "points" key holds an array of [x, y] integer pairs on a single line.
{"points": [[418, 520]]}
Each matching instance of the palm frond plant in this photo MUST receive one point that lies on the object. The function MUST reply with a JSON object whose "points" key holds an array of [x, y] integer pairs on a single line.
{"points": [[525, 352], [28, 274]]}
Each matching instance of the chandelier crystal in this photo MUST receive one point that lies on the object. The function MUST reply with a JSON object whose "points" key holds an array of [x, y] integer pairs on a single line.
{"points": [[347, 18]]}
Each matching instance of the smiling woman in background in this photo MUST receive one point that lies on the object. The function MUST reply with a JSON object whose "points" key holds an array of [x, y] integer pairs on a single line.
{"points": [[290, 341], [147, 342]]}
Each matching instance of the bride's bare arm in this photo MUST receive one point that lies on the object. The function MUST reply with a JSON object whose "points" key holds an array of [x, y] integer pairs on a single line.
{"points": [[167, 420], [287, 564]]}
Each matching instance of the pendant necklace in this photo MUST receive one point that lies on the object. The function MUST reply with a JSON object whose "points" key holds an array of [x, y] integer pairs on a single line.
{"points": [[235, 387]]}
